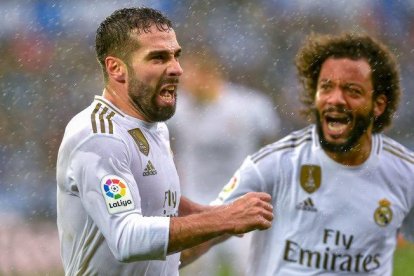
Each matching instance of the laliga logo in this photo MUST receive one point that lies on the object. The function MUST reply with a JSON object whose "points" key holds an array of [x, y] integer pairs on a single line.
{"points": [[116, 189]]}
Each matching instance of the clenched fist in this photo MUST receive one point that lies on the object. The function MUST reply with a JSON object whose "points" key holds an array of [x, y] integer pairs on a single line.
{"points": [[249, 212]]}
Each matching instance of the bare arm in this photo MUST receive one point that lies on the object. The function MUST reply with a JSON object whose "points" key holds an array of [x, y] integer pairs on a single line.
{"points": [[249, 212], [188, 207], [191, 254]]}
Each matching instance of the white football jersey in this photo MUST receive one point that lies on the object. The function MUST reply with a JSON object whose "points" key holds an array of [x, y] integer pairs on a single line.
{"points": [[212, 138], [117, 188], [330, 219]]}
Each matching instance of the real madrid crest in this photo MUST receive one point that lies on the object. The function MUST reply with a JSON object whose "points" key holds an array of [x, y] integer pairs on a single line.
{"points": [[383, 214], [310, 178]]}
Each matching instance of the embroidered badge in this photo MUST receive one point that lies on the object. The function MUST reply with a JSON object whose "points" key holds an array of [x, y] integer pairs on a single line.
{"points": [[383, 214], [117, 195], [310, 178], [140, 140]]}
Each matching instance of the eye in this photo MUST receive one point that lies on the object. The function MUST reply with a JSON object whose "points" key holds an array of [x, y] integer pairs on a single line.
{"points": [[354, 91], [324, 86], [158, 57]]}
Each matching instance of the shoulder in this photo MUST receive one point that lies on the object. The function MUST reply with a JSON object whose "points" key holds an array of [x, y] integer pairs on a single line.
{"points": [[291, 143], [396, 151], [397, 162], [99, 122], [104, 117], [99, 118]]}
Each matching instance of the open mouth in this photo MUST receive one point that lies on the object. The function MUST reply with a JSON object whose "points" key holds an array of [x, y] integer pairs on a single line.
{"points": [[337, 124], [168, 94]]}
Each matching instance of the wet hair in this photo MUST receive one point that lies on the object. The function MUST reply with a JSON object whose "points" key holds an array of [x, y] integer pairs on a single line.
{"points": [[385, 72], [114, 34]]}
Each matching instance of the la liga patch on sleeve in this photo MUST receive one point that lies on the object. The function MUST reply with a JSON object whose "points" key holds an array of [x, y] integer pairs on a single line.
{"points": [[117, 194]]}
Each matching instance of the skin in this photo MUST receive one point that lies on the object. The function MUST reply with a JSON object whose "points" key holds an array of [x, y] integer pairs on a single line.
{"points": [[344, 98], [145, 88], [140, 87]]}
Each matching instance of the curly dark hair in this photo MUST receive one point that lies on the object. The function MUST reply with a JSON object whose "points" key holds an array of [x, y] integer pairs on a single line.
{"points": [[385, 72], [113, 36]]}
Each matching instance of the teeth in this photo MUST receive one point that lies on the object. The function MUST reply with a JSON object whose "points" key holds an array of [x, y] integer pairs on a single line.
{"points": [[166, 96], [337, 127], [167, 93]]}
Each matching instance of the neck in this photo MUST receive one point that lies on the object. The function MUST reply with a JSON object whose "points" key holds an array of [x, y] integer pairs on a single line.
{"points": [[122, 101], [356, 156]]}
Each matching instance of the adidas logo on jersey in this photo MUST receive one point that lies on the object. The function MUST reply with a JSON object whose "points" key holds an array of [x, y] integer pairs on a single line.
{"points": [[307, 205], [149, 169]]}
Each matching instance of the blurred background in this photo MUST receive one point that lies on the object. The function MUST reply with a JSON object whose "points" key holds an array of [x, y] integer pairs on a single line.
{"points": [[48, 73]]}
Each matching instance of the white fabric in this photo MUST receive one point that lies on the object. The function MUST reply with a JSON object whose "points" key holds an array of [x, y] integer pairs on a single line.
{"points": [[211, 141], [332, 230], [98, 230]]}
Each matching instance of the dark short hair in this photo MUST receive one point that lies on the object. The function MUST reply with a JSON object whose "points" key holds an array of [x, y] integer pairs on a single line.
{"points": [[385, 72], [113, 36]]}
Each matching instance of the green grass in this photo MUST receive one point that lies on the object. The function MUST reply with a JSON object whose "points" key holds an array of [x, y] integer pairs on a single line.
{"points": [[404, 261]]}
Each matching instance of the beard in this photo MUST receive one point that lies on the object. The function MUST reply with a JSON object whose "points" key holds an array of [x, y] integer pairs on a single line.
{"points": [[362, 123], [144, 98]]}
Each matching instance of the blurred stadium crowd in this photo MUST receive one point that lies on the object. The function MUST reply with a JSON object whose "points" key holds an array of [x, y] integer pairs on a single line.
{"points": [[48, 73]]}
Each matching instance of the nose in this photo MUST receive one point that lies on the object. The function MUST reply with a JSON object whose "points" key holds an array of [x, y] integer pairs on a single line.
{"points": [[336, 97], [175, 68]]}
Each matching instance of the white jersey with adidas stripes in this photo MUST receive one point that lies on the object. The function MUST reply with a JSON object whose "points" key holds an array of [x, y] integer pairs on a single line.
{"points": [[330, 219], [117, 187]]}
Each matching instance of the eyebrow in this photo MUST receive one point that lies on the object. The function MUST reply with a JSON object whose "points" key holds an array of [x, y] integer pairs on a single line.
{"points": [[346, 84], [163, 52], [324, 80]]}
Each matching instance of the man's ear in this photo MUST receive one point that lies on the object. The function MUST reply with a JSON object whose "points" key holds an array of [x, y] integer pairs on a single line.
{"points": [[116, 69], [380, 103]]}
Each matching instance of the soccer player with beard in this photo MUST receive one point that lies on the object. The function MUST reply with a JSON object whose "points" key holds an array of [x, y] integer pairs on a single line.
{"points": [[341, 190], [120, 211]]}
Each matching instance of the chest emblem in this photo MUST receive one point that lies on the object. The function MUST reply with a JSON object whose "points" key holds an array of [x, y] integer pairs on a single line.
{"points": [[310, 178], [140, 140], [383, 214]]}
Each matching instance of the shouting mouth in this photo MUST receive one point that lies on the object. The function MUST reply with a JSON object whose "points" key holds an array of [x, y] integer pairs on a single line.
{"points": [[167, 95], [337, 124]]}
